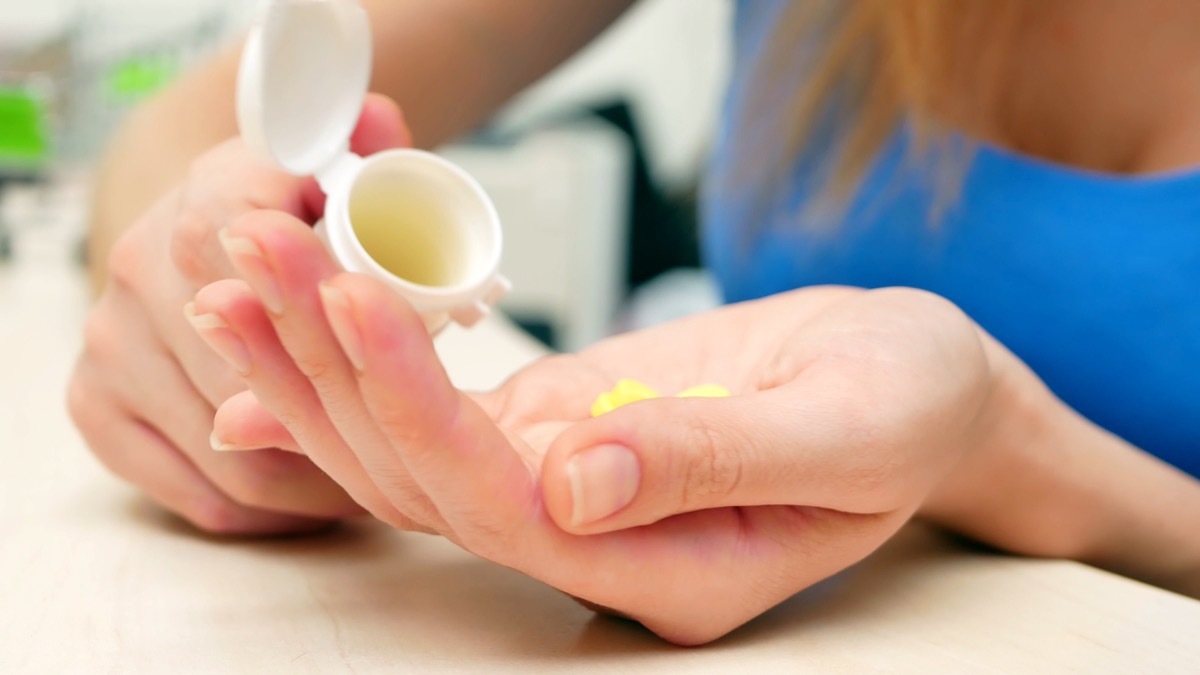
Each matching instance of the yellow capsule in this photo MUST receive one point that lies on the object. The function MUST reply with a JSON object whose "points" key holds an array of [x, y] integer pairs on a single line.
{"points": [[605, 402], [625, 392], [705, 391], [632, 390]]}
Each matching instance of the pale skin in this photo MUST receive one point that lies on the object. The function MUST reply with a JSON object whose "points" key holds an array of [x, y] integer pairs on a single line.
{"points": [[853, 411]]}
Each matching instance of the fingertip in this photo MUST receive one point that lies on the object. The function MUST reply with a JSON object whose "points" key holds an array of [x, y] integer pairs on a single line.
{"points": [[381, 126], [285, 248], [635, 465], [563, 467], [223, 297], [591, 488], [242, 423]]}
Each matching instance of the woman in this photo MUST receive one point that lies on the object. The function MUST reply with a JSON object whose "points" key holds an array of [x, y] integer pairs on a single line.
{"points": [[844, 159]]}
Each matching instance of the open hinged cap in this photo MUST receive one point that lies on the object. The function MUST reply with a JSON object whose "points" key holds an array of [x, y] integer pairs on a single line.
{"points": [[304, 74]]}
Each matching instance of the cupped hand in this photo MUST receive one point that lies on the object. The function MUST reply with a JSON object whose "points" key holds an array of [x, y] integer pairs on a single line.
{"points": [[145, 388], [689, 515]]}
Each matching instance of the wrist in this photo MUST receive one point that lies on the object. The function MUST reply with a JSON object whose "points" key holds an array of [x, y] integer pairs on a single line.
{"points": [[1011, 487], [1038, 479]]}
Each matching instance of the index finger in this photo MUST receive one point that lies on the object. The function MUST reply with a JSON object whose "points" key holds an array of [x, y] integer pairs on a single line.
{"points": [[230, 181], [224, 185]]}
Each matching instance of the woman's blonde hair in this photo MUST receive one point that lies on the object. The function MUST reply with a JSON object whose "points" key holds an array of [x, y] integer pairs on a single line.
{"points": [[852, 71]]}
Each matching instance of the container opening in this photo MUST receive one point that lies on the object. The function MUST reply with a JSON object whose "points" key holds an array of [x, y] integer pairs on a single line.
{"points": [[418, 223]]}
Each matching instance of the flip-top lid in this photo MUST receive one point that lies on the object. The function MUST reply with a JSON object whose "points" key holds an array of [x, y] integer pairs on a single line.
{"points": [[304, 74]]}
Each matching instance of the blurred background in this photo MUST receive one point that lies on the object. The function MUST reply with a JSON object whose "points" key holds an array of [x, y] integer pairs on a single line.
{"points": [[594, 170]]}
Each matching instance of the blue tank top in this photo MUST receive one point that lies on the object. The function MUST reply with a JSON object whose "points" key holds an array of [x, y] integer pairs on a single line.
{"points": [[1092, 279]]}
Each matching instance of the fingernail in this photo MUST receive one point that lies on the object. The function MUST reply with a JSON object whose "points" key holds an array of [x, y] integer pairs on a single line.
{"points": [[341, 319], [248, 258], [604, 480], [221, 338], [219, 445]]}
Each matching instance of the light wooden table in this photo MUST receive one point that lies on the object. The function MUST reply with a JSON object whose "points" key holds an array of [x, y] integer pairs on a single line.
{"points": [[92, 580]]}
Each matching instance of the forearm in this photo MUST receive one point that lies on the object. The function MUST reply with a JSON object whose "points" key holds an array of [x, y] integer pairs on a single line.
{"points": [[152, 149], [1044, 481], [449, 64]]}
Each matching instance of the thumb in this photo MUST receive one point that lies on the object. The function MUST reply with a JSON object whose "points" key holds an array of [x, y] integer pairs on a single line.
{"points": [[656, 458], [381, 126]]}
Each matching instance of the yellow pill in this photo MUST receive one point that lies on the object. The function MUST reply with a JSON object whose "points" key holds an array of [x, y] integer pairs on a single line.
{"points": [[624, 393], [705, 391], [605, 402], [632, 390]]}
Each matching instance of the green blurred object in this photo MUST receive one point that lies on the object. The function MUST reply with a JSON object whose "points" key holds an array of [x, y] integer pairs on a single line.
{"points": [[136, 78], [24, 136]]}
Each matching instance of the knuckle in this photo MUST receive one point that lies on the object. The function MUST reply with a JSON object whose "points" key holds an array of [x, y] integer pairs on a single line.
{"points": [[933, 316], [413, 511], [316, 368], [498, 538], [231, 174], [191, 240], [397, 515], [712, 470], [123, 260], [880, 460], [216, 162], [913, 299], [489, 539], [872, 481], [861, 427], [80, 402], [398, 423], [407, 423], [100, 340], [91, 418], [398, 521]]}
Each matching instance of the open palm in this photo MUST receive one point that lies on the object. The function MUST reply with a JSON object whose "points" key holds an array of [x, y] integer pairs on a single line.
{"points": [[848, 407]]}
